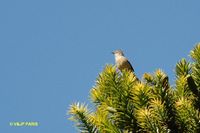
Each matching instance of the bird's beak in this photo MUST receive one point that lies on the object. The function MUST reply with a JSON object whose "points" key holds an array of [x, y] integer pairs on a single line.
{"points": [[113, 52]]}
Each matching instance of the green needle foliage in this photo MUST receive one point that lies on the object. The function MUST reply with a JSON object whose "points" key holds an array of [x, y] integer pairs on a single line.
{"points": [[123, 104]]}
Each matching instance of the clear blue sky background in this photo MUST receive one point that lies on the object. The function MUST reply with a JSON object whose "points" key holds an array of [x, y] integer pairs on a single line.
{"points": [[52, 51]]}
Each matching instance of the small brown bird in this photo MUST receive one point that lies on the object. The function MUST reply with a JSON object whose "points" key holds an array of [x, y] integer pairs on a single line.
{"points": [[121, 61]]}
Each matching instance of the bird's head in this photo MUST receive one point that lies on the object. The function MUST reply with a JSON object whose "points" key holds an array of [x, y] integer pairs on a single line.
{"points": [[118, 53]]}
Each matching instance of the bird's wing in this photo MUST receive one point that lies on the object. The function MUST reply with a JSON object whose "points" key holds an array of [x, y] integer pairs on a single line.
{"points": [[130, 66]]}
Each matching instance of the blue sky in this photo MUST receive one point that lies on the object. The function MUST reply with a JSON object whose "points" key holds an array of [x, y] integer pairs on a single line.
{"points": [[52, 51]]}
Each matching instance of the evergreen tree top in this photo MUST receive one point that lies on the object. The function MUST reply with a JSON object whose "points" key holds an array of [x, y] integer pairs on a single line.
{"points": [[123, 104]]}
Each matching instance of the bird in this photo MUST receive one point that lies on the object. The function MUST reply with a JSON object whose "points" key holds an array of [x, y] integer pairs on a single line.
{"points": [[121, 61]]}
